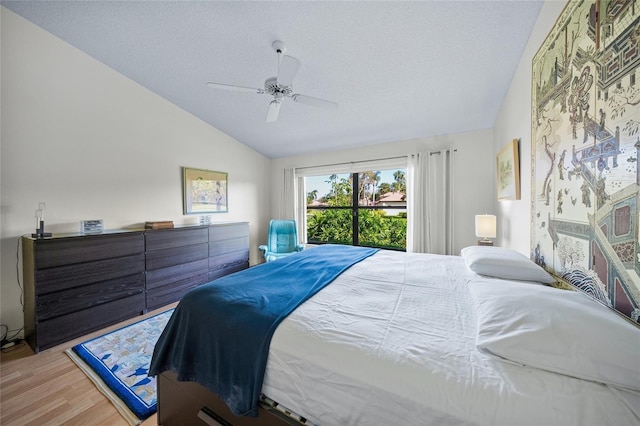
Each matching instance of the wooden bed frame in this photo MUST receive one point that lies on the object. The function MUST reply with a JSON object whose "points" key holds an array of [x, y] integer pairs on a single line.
{"points": [[191, 404]]}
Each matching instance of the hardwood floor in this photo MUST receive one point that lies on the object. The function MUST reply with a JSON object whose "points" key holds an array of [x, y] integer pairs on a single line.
{"points": [[49, 389]]}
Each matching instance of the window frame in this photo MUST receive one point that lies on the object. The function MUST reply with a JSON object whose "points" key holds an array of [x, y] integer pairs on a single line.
{"points": [[354, 208]]}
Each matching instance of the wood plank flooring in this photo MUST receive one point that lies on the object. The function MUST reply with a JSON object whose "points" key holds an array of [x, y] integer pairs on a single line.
{"points": [[49, 389]]}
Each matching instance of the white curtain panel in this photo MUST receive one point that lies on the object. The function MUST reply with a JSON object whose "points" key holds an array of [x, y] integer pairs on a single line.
{"points": [[430, 186], [288, 207], [417, 206], [293, 190], [301, 210], [446, 185]]}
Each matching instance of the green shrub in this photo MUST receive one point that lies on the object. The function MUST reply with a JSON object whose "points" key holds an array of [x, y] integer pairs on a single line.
{"points": [[375, 228]]}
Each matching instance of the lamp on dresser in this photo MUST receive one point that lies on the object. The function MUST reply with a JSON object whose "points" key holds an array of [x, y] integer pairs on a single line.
{"points": [[485, 229]]}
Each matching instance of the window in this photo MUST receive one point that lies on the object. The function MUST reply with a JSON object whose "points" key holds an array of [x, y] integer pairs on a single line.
{"points": [[366, 208]]}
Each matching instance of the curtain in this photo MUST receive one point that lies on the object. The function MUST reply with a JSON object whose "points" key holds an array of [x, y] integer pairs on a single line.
{"points": [[417, 230], [292, 192], [288, 207], [301, 210], [430, 187]]}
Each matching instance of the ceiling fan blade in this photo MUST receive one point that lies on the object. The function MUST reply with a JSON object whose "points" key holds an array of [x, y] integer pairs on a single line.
{"points": [[309, 100], [289, 67], [274, 109], [234, 88]]}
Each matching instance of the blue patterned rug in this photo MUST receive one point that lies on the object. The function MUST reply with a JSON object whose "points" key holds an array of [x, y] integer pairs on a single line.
{"points": [[118, 362]]}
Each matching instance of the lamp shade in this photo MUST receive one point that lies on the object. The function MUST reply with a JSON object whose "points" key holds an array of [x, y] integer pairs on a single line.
{"points": [[485, 226]]}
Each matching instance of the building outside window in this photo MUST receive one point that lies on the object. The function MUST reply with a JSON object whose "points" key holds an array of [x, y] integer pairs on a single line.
{"points": [[366, 208]]}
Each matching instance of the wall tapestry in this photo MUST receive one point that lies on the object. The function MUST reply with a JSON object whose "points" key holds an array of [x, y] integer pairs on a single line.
{"points": [[585, 149]]}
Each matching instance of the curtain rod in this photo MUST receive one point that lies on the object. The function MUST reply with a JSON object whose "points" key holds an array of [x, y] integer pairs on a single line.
{"points": [[438, 152], [366, 161], [354, 162]]}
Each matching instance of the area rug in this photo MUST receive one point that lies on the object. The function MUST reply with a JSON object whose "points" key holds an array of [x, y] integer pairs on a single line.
{"points": [[118, 362]]}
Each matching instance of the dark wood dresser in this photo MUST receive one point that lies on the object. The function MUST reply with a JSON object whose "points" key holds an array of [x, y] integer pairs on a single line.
{"points": [[75, 284]]}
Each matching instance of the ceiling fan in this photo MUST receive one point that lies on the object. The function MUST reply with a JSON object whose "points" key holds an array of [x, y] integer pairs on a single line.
{"points": [[279, 87]]}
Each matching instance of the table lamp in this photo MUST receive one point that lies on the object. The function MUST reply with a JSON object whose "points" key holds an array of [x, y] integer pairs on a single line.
{"points": [[485, 228]]}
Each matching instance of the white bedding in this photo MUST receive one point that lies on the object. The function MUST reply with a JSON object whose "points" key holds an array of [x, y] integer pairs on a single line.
{"points": [[392, 342]]}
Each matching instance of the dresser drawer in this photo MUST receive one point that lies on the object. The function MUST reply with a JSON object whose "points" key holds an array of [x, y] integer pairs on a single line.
{"points": [[162, 239], [66, 251], [221, 247], [172, 274], [67, 327], [226, 270], [60, 303], [175, 256], [161, 296], [226, 264], [226, 232], [75, 275], [229, 259]]}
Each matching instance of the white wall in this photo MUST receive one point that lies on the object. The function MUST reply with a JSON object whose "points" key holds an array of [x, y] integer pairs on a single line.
{"points": [[474, 180], [514, 122], [93, 144]]}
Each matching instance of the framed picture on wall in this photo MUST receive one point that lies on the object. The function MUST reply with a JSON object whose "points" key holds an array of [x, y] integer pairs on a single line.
{"points": [[204, 191], [508, 169]]}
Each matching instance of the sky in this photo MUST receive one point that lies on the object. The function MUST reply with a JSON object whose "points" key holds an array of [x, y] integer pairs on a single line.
{"points": [[318, 182]]}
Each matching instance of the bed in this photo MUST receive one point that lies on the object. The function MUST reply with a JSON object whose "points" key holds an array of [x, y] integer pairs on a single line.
{"points": [[413, 339]]}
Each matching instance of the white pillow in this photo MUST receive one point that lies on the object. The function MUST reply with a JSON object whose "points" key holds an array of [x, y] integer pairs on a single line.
{"points": [[562, 331], [503, 263]]}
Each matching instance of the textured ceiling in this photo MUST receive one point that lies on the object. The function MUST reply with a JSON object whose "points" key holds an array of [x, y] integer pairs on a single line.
{"points": [[399, 70]]}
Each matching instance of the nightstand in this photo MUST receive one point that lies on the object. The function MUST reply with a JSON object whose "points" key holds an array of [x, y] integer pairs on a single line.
{"points": [[485, 243]]}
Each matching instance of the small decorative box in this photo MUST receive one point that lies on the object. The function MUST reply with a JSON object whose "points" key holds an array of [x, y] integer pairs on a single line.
{"points": [[91, 226]]}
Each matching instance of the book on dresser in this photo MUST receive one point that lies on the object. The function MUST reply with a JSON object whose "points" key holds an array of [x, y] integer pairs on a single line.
{"points": [[76, 283], [162, 224]]}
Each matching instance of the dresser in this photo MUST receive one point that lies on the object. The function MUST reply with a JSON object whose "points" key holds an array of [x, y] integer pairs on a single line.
{"points": [[75, 284]]}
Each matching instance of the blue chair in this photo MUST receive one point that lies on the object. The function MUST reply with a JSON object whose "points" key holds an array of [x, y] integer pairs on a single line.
{"points": [[282, 240]]}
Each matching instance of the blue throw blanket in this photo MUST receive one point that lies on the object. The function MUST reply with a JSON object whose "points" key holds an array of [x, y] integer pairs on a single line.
{"points": [[220, 332]]}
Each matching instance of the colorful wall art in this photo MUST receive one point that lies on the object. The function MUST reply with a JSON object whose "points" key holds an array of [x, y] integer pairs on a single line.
{"points": [[585, 149]]}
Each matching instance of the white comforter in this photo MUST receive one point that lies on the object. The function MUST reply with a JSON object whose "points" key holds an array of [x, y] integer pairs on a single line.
{"points": [[392, 342]]}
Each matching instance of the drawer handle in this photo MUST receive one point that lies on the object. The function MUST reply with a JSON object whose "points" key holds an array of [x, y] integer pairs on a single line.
{"points": [[212, 419]]}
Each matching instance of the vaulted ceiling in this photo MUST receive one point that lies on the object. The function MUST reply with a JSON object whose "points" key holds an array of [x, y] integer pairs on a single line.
{"points": [[398, 70]]}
